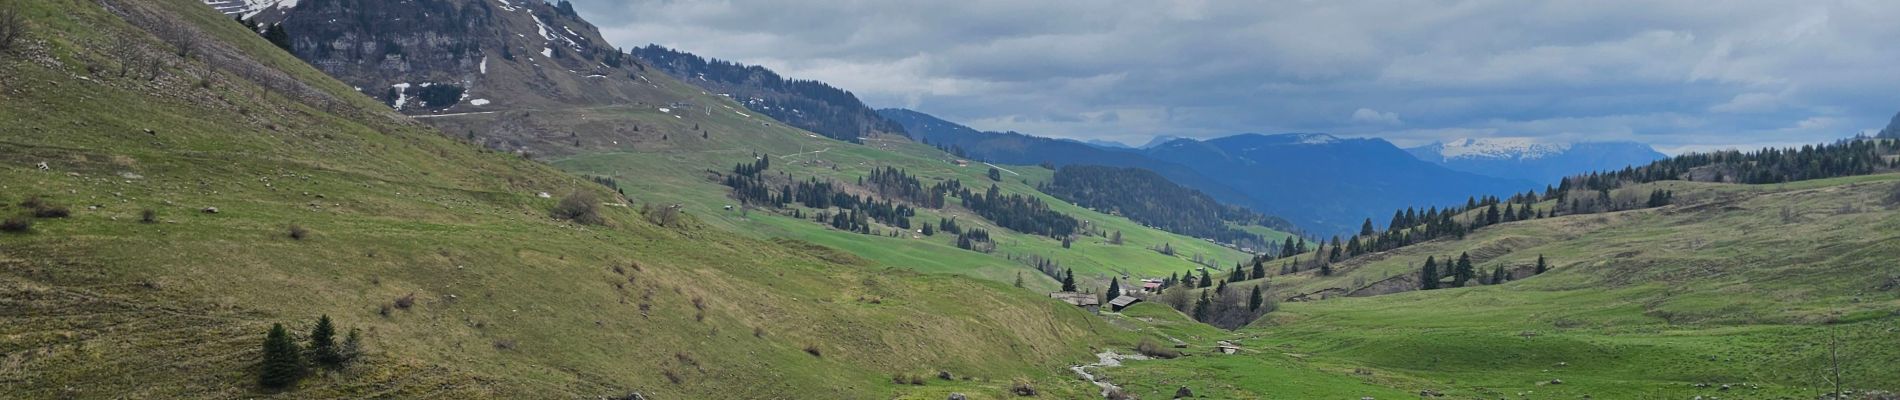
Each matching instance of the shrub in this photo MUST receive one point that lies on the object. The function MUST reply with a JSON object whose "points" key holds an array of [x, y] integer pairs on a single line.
{"points": [[406, 301], [814, 351], [52, 212], [1148, 347], [148, 216], [580, 207], [1022, 388], [298, 232], [12, 27], [18, 224]]}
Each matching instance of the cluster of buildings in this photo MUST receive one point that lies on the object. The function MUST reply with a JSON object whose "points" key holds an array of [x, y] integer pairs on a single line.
{"points": [[1116, 301]]}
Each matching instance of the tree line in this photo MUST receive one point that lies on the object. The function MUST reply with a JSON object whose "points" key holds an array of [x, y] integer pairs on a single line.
{"points": [[1026, 214], [1153, 200], [809, 105]]}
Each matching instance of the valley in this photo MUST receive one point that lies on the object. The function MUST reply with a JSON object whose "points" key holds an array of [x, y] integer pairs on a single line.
{"points": [[498, 203]]}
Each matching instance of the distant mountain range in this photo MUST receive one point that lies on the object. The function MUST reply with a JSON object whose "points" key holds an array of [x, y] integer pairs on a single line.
{"points": [[1329, 184], [1321, 183], [1523, 158]]}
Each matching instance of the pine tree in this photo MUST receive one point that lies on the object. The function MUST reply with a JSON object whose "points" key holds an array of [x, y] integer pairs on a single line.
{"points": [[1254, 300], [1114, 288], [1428, 277], [1326, 269], [1201, 307], [1068, 281], [1541, 267], [352, 346], [281, 367], [1463, 272], [1497, 275], [323, 348], [1259, 270], [1019, 279], [1206, 280]]}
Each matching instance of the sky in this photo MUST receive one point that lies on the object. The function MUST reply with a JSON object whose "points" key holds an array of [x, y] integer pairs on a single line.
{"points": [[1679, 75]]}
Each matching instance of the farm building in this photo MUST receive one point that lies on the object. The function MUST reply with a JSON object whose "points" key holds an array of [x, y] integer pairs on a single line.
{"points": [[1122, 302], [1078, 299]]}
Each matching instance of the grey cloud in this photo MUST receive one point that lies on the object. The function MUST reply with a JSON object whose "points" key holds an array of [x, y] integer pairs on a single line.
{"points": [[1744, 72]]}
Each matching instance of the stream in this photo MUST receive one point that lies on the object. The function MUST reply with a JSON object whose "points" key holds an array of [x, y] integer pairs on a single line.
{"points": [[1105, 359]]}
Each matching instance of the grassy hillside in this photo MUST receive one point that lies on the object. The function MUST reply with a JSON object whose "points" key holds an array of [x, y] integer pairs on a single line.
{"points": [[678, 147], [440, 252], [1744, 285]]}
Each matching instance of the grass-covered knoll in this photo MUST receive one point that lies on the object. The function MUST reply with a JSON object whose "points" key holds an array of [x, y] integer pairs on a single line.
{"points": [[440, 252], [1744, 285]]}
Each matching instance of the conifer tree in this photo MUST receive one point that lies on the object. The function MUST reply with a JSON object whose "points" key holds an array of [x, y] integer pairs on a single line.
{"points": [[1114, 288], [281, 367], [1428, 277], [1205, 279], [1463, 272], [1541, 267], [1068, 281], [1326, 269], [1259, 270], [1019, 279], [352, 346], [1254, 300], [1201, 307], [1497, 275], [323, 348]]}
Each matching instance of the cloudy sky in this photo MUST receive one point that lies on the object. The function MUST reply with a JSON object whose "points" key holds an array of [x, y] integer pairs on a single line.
{"points": [[1682, 75]]}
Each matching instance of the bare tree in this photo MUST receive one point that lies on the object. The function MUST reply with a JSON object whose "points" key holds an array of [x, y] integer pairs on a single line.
{"points": [[12, 27]]}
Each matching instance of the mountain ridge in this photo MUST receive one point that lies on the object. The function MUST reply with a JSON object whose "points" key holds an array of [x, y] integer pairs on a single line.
{"points": [[1530, 159]]}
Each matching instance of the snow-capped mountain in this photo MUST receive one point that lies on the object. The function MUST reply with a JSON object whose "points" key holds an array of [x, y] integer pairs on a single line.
{"points": [[1492, 148], [1526, 158]]}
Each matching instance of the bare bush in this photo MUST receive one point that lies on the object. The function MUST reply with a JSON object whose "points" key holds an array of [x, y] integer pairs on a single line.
{"points": [[1148, 347], [12, 27], [580, 207], [406, 301], [1022, 387], [17, 224]]}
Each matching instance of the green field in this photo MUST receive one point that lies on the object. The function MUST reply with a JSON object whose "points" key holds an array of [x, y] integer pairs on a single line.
{"points": [[669, 162], [503, 301], [1722, 288]]}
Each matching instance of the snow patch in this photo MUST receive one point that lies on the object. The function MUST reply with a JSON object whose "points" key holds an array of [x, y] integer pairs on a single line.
{"points": [[1500, 148], [402, 95], [484, 65], [478, 102], [547, 52], [248, 8]]}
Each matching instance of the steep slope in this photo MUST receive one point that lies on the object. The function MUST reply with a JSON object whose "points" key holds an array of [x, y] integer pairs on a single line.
{"points": [[1327, 184], [1743, 287], [809, 105], [327, 203], [676, 143], [1017, 148], [1519, 158], [1893, 128]]}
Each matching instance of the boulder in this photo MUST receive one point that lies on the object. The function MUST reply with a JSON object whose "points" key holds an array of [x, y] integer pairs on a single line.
{"points": [[958, 396]]}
